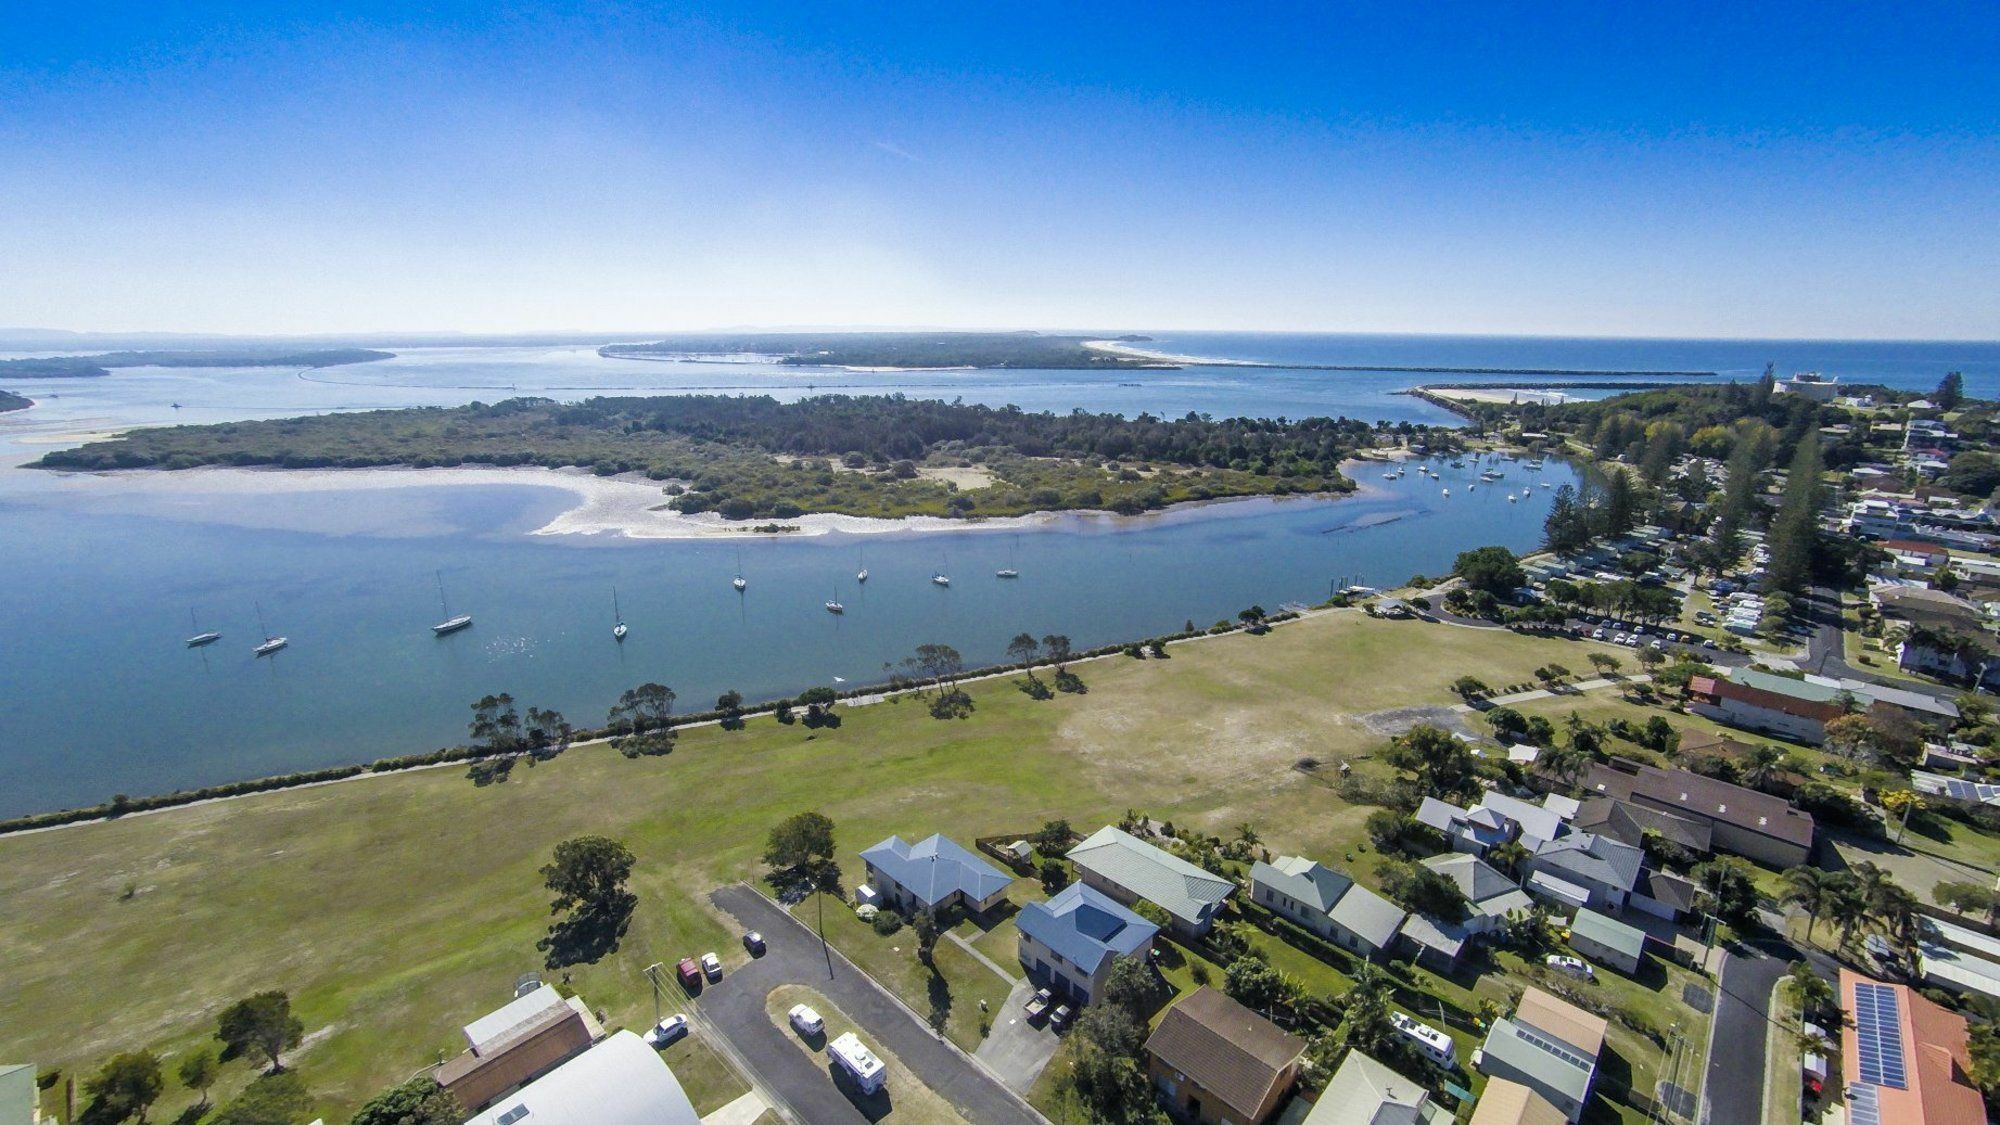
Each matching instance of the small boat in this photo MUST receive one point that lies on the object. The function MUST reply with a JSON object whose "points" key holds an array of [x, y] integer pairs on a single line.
{"points": [[741, 583], [940, 580], [1471, 487], [200, 639], [450, 624], [1388, 476], [833, 606], [618, 619], [1447, 492], [1545, 484], [271, 644], [1511, 498], [862, 574], [1008, 571]]}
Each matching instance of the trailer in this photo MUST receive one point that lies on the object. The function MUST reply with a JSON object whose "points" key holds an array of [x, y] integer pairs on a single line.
{"points": [[859, 1062]]}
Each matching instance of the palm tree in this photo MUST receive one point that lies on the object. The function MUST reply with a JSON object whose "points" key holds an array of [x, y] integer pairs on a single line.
{"points": [[1896, 908], [1565, 763], [1810, 889], [1762, 761], [1508, 856], [1847, 907], [1248, 834]]}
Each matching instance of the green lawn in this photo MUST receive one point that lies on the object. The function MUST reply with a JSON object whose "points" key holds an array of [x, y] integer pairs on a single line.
{"points": [[395, 909], [903, 1100], [951, 994]]}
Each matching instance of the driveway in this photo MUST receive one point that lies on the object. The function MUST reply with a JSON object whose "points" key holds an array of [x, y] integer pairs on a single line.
{"points": [[734, 1006], [1733, 1091], [1017, 1050]]}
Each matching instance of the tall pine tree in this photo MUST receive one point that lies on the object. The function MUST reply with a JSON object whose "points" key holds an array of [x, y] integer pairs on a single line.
{"points": [[1795, 531]]}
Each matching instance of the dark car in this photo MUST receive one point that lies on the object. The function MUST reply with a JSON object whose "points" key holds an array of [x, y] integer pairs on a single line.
{"points": [[754, 942], [689, 972]]}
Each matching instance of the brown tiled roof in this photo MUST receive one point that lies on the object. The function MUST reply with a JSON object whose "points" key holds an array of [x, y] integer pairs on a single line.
{"points": [[1937, 1091], [1234, 1053], [1510, 1103], [1769, 700], [1696, 795], [1552, 1015]]}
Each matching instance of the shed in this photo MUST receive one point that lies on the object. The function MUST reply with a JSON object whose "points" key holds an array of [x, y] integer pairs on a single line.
{"points": [[1608, 941]]}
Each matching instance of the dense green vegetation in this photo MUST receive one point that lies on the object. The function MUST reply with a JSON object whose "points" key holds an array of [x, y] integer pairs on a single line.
{"points": [[757, 458], [896, 349], [13, 402], [83, 366]]}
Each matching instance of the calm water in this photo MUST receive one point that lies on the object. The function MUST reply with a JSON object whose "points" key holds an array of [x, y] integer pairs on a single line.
{"points": [[97, 695]]}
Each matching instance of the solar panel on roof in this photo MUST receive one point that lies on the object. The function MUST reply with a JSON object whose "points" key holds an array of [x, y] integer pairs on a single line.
{"points": [[1878, 1034]]}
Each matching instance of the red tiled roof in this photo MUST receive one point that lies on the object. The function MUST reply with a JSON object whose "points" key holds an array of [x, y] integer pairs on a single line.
{"points": [[1936, 1060]]}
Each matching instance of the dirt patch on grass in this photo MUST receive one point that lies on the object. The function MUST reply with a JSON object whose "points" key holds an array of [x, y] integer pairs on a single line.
{"points": [[967, 479], [1400, 720]]}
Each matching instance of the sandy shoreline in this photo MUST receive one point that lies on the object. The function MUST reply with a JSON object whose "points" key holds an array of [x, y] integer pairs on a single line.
{"points": [[1501, 395], [1117, 348]]}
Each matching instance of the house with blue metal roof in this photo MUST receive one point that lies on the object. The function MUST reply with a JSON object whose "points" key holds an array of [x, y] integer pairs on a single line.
{"points": [[1068, 943], [935, 874]]}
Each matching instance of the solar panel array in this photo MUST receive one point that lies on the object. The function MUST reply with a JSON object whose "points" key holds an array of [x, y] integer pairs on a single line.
{"points": [[1971, 790], [1878, 1032]]}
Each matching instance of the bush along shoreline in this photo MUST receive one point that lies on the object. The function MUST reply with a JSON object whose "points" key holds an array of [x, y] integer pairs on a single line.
{"points": [[122, 805]]}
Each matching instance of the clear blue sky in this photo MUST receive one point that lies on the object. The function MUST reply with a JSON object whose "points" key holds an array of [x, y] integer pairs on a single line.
{"points": [[1728, 169]]}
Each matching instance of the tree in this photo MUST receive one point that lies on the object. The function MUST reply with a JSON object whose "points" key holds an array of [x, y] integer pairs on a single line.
{"points": [[1054, 875], [1253, 983], [1053, 836], [1968, 898], [1901, 803], [1425, 891], [1851, 737], [1469, 687], [1621, 502], [1134, 986], [587, 872], [1605, 663], [1732, 894], [1810, 889], [1106, 1072], [260, 1025], [800, 841], [730, 702], [1567, 528], [1444, 765], [1057, 646], [1023, 648], [1508, 856], [1984, 1048], [926, 927], [420, 1101], [123, 1088], [1365, 1023], [1950, 391], [1794, 534], [645, 715], [273, 1099], [1809, 990], [1565, 763], [547, 733], [496, 726], [198, 1071], [587, 877], [1761, 763], [1491, 570], [937, 663]]}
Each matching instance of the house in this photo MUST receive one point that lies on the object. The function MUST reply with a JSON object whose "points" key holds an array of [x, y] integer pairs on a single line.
{"points": [[1663, 894], [1583, 869], [1809, 385], [934, 874], [621, 1081], [1787, 708], [1914, 557], [517, 1044], [20, 1098], [1214, 1061], [1068, 943], [1491, 896], [1327, 903], [1365, 1092], [1929, 650], [1504, 1102], [1497, 819], [1608, 941], [1129, 869], [1904, 1058], [1741, 821], [1628, 823], [1548, 1045]]}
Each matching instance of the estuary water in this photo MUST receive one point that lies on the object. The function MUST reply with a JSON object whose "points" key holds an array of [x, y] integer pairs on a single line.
{"points": [[104, 576]]}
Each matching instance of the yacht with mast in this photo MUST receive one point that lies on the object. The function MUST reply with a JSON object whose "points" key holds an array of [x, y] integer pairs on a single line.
{"points": [[1009, 571], [271, 644], [862, 574], [200, 639], [617, 618], [450, 624], [741, 583], [833, 605]]}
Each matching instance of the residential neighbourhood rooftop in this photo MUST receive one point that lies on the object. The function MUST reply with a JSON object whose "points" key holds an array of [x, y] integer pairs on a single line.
{"points": [[1506, 1102], [1234, 1053], [935, 867], [1084, 926], [1702, 796], [1363, 1091], [1903, 1057], [621, 1081], [1162, 878]]}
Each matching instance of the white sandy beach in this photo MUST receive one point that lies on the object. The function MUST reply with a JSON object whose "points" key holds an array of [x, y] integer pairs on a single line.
{"points": [[1502, 395], [1115, 347]]}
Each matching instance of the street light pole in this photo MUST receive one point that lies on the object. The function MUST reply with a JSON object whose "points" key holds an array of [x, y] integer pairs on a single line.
{"points": [[652, 972]]}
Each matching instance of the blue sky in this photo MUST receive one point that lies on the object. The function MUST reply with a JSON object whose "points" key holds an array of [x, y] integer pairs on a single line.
{"points": [[1797, 170]]}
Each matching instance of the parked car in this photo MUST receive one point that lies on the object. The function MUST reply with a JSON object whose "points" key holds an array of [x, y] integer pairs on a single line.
{"points": [[806, 1021], [689, 973], [1060, 1018], [1574, 966], [1039, 1003], [1598, 633], [754, 942], [667, 1030], [711, 965]]}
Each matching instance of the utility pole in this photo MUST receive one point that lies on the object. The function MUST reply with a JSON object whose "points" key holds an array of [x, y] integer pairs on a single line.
{"points": [[652, 972]]}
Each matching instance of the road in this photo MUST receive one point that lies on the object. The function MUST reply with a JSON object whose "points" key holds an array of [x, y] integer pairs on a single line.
{"points": [[1733, 1091], [734, 1007], [1826, 652]]}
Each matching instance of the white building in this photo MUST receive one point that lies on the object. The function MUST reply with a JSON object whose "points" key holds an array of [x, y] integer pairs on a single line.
{"points": [[621, 1081]]}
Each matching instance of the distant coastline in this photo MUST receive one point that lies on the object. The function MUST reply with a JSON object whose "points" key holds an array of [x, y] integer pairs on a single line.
{"points": [[893, 351], [1122, 348], [95, 366]]}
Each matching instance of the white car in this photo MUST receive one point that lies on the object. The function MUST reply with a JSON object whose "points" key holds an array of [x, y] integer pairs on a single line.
{"points": [[712, 965], [806, 1021], [1598, 634], [1574, 966], [667, 1030]]}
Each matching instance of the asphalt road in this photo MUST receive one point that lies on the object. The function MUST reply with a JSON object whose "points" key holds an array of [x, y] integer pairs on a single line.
{"points": [[734, 1006], [1733, 1091]]}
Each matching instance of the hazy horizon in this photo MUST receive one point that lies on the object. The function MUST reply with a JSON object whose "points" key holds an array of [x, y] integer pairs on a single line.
{"points": [[1788, 172]]}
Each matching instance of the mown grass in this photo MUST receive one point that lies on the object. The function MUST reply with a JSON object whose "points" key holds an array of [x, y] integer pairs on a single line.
{"points": [[394, 909]]}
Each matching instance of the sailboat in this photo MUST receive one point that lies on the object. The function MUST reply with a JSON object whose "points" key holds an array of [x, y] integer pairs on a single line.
{"points": [[741, 583], [450, 624], [200, 639], [862, 574], [833, 605], [271, 644], [618, 619], [1008, 571]]}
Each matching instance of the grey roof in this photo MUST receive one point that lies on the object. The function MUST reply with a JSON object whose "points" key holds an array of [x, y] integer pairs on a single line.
{"points": [[1161, 878], [1365, 1092], [1549, 1063], [1447, 938], [1608, 932], [1362, 911], [1485, 887], [1669, 889], [1628, 823], [1598, 859], [1536, 821], [1085, 926], [1308, 881], [934, 867]]}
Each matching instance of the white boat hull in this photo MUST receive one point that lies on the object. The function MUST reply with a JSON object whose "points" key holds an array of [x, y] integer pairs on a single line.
{"points": [[454, 625]]}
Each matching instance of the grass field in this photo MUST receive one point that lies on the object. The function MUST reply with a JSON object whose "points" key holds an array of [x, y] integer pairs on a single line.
{"points": [[396, 909]]}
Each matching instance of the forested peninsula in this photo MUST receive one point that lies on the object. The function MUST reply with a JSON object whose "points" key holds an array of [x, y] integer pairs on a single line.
{"points": [[10, 401], [87, 366], [896, 349], [757, 458]]}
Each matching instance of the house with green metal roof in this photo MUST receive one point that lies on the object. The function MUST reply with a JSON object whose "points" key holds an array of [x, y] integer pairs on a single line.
{"points": [[1128, 869], [1608, 941], [1327, 903], [18, 1095]]}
